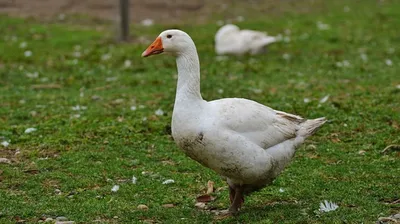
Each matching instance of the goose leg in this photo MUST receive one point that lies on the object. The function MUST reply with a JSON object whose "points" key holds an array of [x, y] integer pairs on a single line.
{"points": [[238, 200], [231, 193]]}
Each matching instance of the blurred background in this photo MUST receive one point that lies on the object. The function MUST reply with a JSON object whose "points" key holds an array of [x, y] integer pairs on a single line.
{"points": [[160, 11]]}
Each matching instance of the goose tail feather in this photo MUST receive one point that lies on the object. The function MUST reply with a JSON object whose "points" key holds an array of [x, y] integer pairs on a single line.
{"points": [[309, 127]]}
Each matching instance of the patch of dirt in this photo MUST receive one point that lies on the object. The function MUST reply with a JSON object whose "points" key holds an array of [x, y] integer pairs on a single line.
{"points": [[7, 153], [161, 11]]}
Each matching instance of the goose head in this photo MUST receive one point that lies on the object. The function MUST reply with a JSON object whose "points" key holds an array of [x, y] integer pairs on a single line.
{"points": [[174, 42]]}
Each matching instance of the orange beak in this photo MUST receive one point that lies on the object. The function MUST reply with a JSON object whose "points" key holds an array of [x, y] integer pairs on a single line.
{"points": [[155, 48]]}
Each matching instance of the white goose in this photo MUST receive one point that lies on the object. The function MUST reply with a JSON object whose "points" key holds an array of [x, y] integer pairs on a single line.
{"points": [[246, 142], [229, 39]]}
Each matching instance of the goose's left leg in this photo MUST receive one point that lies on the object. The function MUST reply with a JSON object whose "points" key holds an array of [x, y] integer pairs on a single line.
{"points": [[231, 193], [238, 198]]}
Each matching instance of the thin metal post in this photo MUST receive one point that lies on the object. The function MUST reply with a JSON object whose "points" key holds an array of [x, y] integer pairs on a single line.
{"points": [[124, 20]]}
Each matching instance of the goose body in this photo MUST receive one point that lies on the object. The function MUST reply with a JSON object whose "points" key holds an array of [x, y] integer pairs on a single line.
{"points": [[229, 39], [246, 142]]}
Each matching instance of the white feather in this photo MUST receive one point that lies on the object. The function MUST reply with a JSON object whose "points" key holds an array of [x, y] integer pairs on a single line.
{"points": [[327, 206]]}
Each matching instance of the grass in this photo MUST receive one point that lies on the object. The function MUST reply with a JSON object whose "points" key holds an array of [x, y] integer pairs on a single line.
{"points": [[68, 166]]}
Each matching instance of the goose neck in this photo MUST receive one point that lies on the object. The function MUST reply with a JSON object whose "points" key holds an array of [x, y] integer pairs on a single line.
{"points": [[188, 76]]}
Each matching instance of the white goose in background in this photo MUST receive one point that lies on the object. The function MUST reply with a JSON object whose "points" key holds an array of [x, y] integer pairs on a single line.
{"points": [[246, 142], [229, 39]]}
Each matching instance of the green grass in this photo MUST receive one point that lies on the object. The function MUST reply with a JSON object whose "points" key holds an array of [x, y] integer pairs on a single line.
{"points": [[109, 143]]}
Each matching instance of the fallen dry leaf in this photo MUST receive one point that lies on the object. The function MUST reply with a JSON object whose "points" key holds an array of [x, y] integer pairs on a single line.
{"points": [[5, 160], [153, 118], [272, 90], [142, 207], [32, 171], [391, 147], [311, 147], [222, 216], [312, 156], [387, 219], [395, 124], [221, 189], [168, 162], [361, 152], [168, 205], [201, 205], [335, 138], [210, 187], [205, 198], [19, 220], [47, 86], [103, 87]]}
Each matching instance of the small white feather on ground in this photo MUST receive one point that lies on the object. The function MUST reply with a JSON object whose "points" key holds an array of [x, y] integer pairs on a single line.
{"points": [[29, 130], [169, 181], [324, 99], [115, 188], [5, 143], [159, 112], [327, 206]]}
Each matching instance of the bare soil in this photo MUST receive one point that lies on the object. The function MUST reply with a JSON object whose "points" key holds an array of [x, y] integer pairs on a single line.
{"points": [[160, 11]]}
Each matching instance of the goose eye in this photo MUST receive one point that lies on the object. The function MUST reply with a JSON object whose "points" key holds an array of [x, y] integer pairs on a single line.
{"points": [[169, 36]]}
